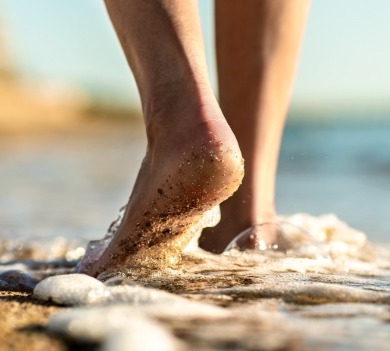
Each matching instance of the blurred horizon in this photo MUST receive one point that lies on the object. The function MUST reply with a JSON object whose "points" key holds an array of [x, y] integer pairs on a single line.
{"points": [[62, 69], [343, 67]]}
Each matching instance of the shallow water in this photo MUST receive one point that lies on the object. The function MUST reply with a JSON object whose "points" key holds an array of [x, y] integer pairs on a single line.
{"points": [[328, 291], [72, 184], [339, 166], [331, 291]]}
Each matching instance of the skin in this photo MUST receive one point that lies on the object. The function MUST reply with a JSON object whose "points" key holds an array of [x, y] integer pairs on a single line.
{"points": [[257, 48], [193, 161]]}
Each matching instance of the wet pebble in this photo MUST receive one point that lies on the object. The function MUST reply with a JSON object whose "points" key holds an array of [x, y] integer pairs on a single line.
{"points": [[14, 280], [70, 289], [271, 302]]}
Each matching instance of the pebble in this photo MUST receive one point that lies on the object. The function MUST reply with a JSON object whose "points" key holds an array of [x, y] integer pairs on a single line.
{"points": [[272, 302], [70, 289], [119, 327], [14, 280]]}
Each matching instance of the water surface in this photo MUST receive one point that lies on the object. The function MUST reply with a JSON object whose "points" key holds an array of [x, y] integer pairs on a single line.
{"points": [[73, 184]]}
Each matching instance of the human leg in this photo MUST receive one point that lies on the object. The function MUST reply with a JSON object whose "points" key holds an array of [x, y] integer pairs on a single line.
{"points": [[257, 49], [192, 161]]}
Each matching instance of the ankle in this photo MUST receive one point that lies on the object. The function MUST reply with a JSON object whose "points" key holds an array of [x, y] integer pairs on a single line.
{"points": [[186, 115], [175, 98], [244, 210]]}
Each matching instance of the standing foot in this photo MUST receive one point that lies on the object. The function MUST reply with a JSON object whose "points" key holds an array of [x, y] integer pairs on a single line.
{"points": [[237, 215]]}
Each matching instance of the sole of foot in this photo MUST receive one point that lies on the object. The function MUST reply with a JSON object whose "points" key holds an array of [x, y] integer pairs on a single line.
{"points": [[179, 181]]}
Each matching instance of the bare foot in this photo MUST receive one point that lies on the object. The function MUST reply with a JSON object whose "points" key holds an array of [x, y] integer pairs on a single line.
{"points": [[237, 215], [192, 164]]}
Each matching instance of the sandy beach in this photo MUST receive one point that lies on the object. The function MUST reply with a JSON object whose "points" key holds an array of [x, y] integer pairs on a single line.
{"points": [[73, 138], [22, 319], [329, 291]]}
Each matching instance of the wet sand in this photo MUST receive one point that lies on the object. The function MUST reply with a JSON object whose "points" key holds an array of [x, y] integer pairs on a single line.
{"points": [[22, 322], [330, 293], [276, 303]]}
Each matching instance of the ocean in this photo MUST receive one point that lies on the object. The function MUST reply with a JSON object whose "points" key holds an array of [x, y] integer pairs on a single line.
{"points": [[72, 184], [340, 167], [330, 290]]}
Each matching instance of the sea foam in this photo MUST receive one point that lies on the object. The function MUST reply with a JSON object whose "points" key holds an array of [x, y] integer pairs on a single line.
{"points": [[328, 291]]}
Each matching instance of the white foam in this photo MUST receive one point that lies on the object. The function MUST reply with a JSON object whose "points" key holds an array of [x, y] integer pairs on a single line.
{"points": [[210, 219], [96, 248], [292, 300]]}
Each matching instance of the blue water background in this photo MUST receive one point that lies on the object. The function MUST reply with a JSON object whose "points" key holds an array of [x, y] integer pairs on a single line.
{"points": [[72, 184], [339, 166]]}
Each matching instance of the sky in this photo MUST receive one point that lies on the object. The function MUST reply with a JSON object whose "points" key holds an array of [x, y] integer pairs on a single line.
{"points": [[344, 60]]}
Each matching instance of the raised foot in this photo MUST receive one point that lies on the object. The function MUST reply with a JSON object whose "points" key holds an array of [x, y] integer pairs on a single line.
{"points": [[178, 182]]}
